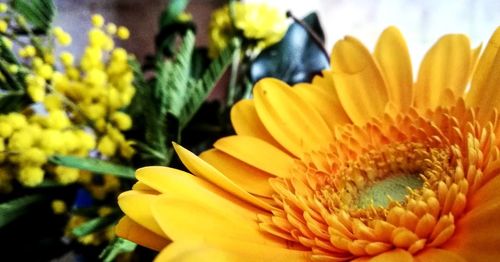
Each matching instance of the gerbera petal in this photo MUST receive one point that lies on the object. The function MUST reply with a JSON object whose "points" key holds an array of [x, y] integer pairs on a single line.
{"points": [[325, 100], [290, 120], [184, 219], [180, 251], [396, 255], [128, 229], [201, 168], [246, 122], [393, 57], [256, 152], [438, 255], [484, 91], [249, 178], [446, 65], [360, 85], [181, 184], [476, 237], [136, 205], [228, 250]]}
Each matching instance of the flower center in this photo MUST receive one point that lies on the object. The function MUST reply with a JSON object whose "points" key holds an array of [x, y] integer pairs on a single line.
{"points": [[392, 188]]}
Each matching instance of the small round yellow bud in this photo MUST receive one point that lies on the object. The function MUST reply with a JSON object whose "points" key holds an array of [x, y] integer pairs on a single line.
{"points": [[21, 140], [97, 20], [7, 42], [111, 28], [5, 129], [121, 120], [30, 50], [37, 93], [16, 120], [123, 33], [52, 102], [58, 207], [67, 58], [30, 175], [64, 39], [3, 26], [13, 69], [106, 146], [45, 71], [3, 7], [66, 175], [33, 157]]}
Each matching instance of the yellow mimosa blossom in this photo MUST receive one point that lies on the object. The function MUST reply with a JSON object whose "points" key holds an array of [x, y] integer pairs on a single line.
{"points": [[30, 175], [97, 20], [362, 164], [58, 207], [123, 33]]}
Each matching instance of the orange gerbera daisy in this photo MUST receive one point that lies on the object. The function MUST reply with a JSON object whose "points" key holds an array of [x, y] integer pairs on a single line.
{"points": [[361, 164]]}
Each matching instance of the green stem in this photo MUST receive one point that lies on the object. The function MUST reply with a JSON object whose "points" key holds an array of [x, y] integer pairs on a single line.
{"points": [[231, 91]]}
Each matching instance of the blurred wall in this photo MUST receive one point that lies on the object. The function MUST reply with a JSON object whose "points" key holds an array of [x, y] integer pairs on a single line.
{"points": [[141, 17]]}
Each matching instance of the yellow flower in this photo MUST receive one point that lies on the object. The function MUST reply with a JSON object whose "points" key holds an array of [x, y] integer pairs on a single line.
{"points": [[97, 20], [362, 164], [3, 7], [123, 33], [66, 175], [121, 120], [3, 26], [30, 175], [257, 21], [58, 207], [106, 146]]}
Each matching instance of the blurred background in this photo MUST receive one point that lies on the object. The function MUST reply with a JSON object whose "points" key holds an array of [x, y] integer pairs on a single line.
{"points": [[421, 22]]}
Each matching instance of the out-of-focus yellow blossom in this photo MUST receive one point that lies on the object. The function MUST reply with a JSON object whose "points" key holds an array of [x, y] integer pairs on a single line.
{"points": [[58, 207], [104, 211], [106, 146], [66, 175], [67, 58], [111, 28], [123, 33], [121, 120], [97, 20], [30, 176], [32, 156], [258, 22], [3, 7], [3, 26], [184, 17], [62, 37]]}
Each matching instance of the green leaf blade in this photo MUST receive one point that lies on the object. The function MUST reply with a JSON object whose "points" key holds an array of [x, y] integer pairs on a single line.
{"points": [[94, 165], [15, 208]]}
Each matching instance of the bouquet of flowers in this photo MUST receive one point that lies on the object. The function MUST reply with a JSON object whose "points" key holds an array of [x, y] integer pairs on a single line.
{"points": [[308, 155]]}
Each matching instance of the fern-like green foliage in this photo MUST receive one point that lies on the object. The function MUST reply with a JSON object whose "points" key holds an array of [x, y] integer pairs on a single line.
{"points": [[186, 95], [39, 13]]}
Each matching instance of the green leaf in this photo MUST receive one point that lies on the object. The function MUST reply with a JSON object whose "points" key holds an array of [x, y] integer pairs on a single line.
{"points": [[175, 88], [95, 224], [117, 247], [198, 91], [11, 101], [94, 165], [13, 209], [39, 13]]}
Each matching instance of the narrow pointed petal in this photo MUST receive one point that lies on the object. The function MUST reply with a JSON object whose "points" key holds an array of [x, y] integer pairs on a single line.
{"points": [[249, 178], [201, 168], [184, 185], [360, 85], [391, 53], [256, 153], [128, 229], [484, 92], [291, 121]]}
